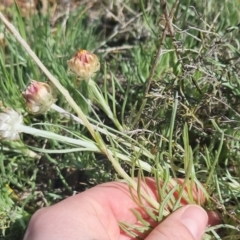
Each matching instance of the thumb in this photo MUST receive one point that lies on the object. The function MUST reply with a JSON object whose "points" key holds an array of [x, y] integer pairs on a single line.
{"points": [[187, 223]]}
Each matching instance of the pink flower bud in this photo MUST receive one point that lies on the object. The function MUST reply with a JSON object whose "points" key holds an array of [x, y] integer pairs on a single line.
{"points": [[10, 121], [39, 97], [84, 64]]}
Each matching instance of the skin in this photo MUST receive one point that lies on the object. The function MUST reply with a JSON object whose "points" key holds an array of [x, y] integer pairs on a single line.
{"points": [[95, 213]]}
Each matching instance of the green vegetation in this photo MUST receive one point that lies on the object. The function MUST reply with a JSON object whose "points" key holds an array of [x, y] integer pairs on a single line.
{"points": [[172, 87]]}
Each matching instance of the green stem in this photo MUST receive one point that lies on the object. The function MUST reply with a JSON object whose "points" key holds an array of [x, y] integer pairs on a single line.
{"points": [[103, 103], [57, 137]]}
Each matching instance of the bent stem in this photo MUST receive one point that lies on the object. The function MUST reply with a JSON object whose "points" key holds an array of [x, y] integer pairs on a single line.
{"points": [[104, 130]]}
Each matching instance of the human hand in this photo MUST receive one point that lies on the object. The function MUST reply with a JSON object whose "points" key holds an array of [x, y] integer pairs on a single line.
{"points": [[95, 213]]}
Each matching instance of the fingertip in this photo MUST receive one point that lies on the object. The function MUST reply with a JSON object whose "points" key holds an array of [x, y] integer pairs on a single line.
{"points": [[186, 223], [195, 219]]}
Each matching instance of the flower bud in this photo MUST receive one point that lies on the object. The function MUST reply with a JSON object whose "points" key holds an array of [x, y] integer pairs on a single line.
{"points": [[39, 97], [84, 64], [10, 121]]}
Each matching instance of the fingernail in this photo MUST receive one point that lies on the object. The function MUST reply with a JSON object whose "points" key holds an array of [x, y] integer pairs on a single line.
{"points": [[195, 219]]}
